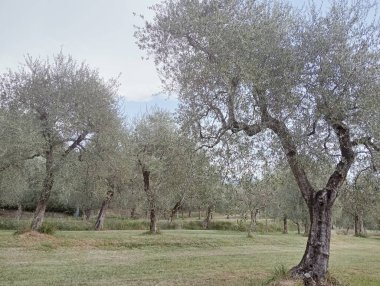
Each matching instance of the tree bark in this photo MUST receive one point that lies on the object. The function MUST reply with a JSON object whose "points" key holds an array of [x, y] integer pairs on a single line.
{"points": [[206, 222], [102, 212], [153, 221], [19, 211], [86, 214], [252, 225], [39, 213], [285, 230], [358, 225], [314, 263], [298, 227], [307, 227], [175, 209], [133, 212], [151, 203]]}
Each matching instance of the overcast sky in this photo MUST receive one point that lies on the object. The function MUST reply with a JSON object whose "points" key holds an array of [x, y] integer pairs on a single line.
{"points": [[97, 31]]}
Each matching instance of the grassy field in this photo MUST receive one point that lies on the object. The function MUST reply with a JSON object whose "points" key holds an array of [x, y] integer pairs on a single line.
{"points": [[175, 257]]}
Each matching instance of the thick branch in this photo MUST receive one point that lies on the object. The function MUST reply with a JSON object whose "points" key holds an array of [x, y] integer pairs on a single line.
{"points": [[76, 143], [369, 145], [347, 158], [249, 129], [290, 149]]}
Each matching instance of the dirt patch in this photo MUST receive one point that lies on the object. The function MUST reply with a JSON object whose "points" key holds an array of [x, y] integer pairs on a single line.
{"points": [[36, 236]]}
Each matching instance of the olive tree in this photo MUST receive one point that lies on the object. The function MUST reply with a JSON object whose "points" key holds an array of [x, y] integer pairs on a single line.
{"points": [[153, 137], [359, 198], [258, 71], [69, 102]]}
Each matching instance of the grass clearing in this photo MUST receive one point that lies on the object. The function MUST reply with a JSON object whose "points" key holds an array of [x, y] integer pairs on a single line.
{"points": [[176, 257]]}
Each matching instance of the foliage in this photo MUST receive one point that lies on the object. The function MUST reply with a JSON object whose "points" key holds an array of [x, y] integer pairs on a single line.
{"points": [[48, 228]]}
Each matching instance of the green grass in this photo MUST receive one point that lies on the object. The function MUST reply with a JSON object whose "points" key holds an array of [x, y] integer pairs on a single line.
{"points": [[176, 257]]}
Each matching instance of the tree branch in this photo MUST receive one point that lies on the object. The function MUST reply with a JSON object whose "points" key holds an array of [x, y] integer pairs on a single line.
{"points": [[197, 46], [290, 149], [347, 158], [76, 143]]}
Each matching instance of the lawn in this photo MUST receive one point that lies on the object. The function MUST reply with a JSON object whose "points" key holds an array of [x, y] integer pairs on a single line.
{"points": [[175, 257]]}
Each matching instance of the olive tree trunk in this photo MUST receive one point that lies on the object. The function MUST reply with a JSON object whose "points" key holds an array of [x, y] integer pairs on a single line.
{"points": [[133, 212], [42, 202], [252, 225], [298, 227], [206, 222], [102, 212], [151, 202], [86, 214], [176, 208], [358, 225], [314, 263], [285, 230], [19, 211]]}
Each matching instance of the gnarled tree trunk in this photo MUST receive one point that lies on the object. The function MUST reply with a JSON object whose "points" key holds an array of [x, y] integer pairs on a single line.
{"points": [[314, 263], [102, 212]]}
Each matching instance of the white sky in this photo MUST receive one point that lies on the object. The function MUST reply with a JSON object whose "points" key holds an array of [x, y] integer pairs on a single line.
{"points": [[99, 32]]}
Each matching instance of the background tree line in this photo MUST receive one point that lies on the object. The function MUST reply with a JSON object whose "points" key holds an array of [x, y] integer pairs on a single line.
{"points": [[65, 148]]}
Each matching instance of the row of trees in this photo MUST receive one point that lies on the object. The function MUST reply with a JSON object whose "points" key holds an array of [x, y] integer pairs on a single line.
{"points": [[150, 169], [63, 141], [151, 166]]}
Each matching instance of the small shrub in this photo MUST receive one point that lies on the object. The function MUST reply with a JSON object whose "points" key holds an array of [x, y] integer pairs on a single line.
{"points": [[13, 224], [279, 273], [48, 228], [241, 226], [22, 229], [194, 225]]}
